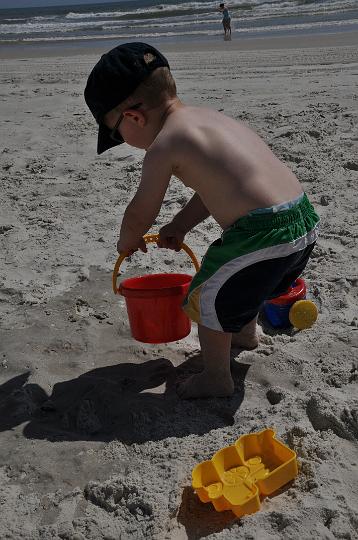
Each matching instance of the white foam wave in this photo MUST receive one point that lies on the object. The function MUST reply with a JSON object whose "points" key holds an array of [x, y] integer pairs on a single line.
{"points": [[31, 28], [161, 8], [112, 21], [139, 25], [18, 19], [68, 26], [280, 6], [128, 36], [299, 26], [157, 24], [45, 18], [265, 29]]}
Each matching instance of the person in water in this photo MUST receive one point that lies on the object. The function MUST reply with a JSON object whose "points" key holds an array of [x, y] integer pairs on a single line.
{"points": [[226, 19]]}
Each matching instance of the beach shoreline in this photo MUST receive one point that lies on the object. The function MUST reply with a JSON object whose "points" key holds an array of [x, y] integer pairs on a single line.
{"points": [[73, 48]]}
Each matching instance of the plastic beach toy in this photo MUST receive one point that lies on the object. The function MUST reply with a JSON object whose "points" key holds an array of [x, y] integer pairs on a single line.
{"points": [[237, 476], [303, 314], [154, 301], [291, 308]]}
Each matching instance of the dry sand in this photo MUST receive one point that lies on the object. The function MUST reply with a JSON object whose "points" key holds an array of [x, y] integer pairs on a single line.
{"points": [[95, 443]]}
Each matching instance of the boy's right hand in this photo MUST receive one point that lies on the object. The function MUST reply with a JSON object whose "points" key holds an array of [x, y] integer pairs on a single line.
{"points": [[171, 236]]}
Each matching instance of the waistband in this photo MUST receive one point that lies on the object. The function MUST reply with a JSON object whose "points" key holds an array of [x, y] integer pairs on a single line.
{"points": [[277, 207], [275, 220]]}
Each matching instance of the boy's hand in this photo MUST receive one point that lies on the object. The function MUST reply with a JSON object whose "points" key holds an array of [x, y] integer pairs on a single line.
{"points": [[130, 249], [171, 236]]}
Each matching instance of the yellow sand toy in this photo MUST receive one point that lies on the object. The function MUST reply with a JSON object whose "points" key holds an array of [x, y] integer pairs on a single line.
{"points": [[236, 476], [303, 314]]}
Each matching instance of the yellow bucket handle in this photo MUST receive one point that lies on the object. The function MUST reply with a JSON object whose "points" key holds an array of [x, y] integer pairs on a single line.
{"points": [[148, 238]]}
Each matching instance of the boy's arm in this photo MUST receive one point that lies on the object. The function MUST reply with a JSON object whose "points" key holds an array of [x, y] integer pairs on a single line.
{"points": [[193, 213], [145, 205], [172, 234]]}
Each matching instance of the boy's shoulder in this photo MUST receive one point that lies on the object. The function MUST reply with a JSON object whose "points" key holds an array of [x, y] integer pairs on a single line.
{"points": [[183, 124], [193, 129], [176, 130]]}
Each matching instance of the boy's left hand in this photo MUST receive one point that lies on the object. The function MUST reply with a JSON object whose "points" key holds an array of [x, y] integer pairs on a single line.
{"points": [[130, 249]]}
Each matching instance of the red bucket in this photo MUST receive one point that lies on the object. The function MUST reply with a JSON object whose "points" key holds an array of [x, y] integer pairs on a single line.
{"points": [[277, 309], [154, 302], [154, 306]]}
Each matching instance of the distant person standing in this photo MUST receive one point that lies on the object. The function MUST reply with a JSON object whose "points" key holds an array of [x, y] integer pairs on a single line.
{"points": [[226, 19]]}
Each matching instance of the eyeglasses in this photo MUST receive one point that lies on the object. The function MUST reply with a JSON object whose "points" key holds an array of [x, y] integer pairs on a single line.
{"points": [[114, 132]]}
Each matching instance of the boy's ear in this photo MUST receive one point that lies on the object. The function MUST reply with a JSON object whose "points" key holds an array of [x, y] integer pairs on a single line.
{"points": [[136, 117]]}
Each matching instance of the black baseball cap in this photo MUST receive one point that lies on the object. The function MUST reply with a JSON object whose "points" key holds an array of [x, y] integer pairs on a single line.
{"points": [[114, 78]]}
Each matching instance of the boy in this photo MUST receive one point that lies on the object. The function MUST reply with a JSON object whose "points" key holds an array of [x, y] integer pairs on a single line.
{"points": [[269, 226]]}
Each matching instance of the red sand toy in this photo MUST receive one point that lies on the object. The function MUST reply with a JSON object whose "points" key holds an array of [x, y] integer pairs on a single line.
{"points": [[154, 301]]}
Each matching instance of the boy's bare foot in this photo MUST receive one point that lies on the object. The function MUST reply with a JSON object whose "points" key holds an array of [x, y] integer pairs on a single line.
{"points": [[203, 385]]}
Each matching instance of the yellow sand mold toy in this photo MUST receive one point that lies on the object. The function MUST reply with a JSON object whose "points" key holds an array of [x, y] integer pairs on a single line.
{"points": [[236, 476]]}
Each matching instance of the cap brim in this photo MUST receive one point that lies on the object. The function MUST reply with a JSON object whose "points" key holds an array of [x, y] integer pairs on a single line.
{"points": [[104, 141]]}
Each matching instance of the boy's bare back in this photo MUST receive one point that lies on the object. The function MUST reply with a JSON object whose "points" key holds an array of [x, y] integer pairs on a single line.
{"points": [[225, 162]]}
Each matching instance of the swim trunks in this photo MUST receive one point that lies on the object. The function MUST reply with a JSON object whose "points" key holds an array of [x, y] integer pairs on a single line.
{"points": [[256, 259]]}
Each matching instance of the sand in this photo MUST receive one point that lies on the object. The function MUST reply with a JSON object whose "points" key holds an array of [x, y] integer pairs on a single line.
{"points": [[94, 442]]}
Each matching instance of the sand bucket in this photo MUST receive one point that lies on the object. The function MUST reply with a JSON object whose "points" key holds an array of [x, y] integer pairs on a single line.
{"points": [[277, 309], [154, 301]]}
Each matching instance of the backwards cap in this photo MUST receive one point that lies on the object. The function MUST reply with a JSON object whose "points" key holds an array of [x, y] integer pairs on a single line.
{"points": [[114, 78]]}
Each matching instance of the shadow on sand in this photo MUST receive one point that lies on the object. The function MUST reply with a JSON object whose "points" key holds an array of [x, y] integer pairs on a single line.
{"points": [[129, 402], [201, 520]]}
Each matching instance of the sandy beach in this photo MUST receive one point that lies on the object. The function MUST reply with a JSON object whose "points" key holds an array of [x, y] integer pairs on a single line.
{"points": [[94, 442]]}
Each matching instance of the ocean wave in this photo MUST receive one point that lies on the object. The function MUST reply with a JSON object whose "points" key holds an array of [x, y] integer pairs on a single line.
{"points": [[67, 27], [214, 32], [46, 17], [254, 9], [139, 24], [295, 7], [17, 19], [262, 17], [73, 15], [33, 28], [129, 36], [281, 6], [159, 24], [162, 8]]}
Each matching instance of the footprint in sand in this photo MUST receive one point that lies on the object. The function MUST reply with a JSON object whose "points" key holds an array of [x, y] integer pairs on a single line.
{"points": [[324, 415], [82, 308]]}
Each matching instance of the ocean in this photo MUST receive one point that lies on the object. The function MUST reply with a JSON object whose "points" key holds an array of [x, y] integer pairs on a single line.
{"points": [[174, 21]]}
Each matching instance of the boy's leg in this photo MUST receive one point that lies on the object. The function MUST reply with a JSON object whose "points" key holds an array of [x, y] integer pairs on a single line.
{"points": [[248, 337], [215, 380]]}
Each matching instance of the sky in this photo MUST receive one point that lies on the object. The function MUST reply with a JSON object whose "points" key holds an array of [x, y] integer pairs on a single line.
{"points": [[42, 3]]}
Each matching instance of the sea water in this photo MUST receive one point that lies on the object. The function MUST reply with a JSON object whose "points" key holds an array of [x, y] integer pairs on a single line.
{"points": [[174, 21]]}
